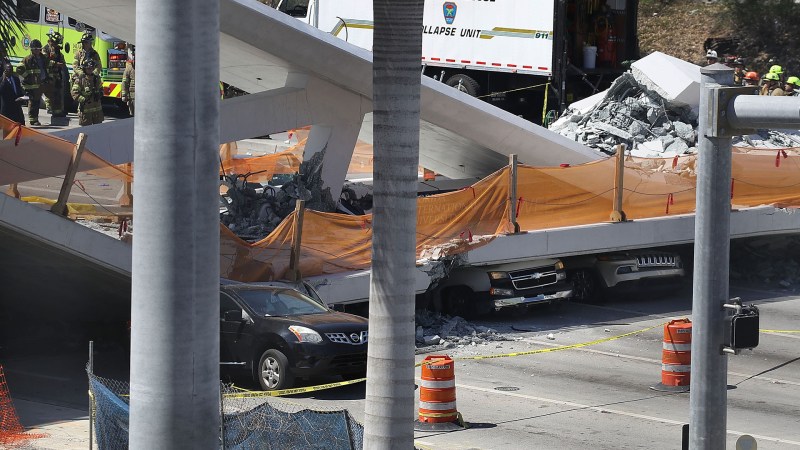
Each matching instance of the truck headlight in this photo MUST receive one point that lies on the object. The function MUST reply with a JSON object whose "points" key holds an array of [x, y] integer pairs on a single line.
{"points": [[305, 334], [498, 275], [559, 265], [502, 292]]}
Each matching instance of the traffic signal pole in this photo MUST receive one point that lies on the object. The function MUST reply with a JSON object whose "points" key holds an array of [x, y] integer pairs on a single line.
{"points": [[708, 395], [724, 112], [175, 398]]}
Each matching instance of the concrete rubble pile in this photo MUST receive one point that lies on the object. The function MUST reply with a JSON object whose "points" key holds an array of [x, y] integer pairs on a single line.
{"points": [[769, 139], [442, 331], [772, 260], [631, 113], [653, 110], [253, 212]]}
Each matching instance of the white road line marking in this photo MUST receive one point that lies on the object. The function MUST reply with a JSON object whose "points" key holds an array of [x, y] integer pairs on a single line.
{"points": [[614, 411], [658, 361]]}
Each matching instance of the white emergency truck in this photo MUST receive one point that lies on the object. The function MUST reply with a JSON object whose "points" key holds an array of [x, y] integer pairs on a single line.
{"points": [[507, 52]]}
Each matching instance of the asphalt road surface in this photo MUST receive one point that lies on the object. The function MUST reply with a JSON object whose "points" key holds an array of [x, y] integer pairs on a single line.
{"points": [[596, 397], [599, 396]]}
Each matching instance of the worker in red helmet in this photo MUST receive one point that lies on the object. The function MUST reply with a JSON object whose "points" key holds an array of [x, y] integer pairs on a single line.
{"points": [[751, 80]]}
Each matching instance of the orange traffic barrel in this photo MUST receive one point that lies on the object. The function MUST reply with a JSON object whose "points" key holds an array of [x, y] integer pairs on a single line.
{"points": [[676, 356], [437, 394]]}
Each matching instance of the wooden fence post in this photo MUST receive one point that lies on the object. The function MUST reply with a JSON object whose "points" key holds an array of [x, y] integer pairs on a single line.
{"points": [[617, 214], [294, 260], [512, 192], [125, 196], [60, 207], [12, 190]]}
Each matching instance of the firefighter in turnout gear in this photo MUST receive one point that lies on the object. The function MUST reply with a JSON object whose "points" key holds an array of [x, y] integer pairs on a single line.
{"points": [[52, 51], [85, 53], [87, 91], [129, 81], [35, 74]]}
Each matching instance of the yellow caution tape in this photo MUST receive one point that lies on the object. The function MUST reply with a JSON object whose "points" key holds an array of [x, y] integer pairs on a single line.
{"points": [[515, 90], [547, 350], [779, 331], [244, 393], [72, 208]]}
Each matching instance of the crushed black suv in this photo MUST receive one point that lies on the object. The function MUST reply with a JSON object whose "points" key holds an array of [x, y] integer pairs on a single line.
{"points": [[276, 334]]}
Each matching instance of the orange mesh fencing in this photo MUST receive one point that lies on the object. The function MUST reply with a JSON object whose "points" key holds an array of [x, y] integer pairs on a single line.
{"points": [[11, 431], [27, 154], [547, 197], [261, 168]]}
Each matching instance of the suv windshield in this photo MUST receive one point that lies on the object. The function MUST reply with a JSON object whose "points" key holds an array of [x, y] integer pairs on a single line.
{"points": [[279, 302]]}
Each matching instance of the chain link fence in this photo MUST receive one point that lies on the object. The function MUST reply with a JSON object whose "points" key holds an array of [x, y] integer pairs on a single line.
{"points": [[250, 420]]}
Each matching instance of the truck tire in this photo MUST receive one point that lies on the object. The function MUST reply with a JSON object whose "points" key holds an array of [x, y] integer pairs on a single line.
{"points": [[585, 286], [459, 301], [464, 83]]}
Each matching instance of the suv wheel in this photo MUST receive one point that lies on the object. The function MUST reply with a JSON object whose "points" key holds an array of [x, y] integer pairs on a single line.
{"points": [[272, 372], [585, 287]]}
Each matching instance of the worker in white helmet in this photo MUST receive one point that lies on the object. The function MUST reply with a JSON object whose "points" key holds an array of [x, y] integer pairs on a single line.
{"points": [[711, 57]]}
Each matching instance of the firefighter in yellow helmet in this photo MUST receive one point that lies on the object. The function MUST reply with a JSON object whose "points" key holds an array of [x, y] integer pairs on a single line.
{"points": [[771, 84], [777, 70], [85, 53], [33, 71], [87, 91], [791, 86]]}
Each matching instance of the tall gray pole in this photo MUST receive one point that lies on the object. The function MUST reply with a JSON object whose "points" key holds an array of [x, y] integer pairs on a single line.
{"points": [[175, 294], [707, 398]]}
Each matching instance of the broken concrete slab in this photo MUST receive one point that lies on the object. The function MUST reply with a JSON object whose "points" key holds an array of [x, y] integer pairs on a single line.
{"points": [[675, 80]]}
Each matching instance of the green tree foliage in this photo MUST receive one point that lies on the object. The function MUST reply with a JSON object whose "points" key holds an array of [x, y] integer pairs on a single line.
{"points": [[768, 31], [10, 25]]}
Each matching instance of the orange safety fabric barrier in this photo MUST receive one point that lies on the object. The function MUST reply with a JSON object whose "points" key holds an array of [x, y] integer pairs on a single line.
{"points": [[333, 242], [260, 168], [27, 154], [547, 197], [11, 431]]}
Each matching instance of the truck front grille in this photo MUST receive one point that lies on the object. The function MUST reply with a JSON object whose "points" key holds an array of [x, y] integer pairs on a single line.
{"points": [[533, 278], [656, 261]]}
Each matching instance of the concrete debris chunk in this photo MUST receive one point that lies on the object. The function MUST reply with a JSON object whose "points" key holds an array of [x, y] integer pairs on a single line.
{"points": [[657, 100], [253, 210], [431, 340], [630, 113], [770, 139], [450, 331]]}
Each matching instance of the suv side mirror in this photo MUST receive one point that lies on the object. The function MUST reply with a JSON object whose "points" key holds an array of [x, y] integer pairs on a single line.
{"points": [[234, 315]]}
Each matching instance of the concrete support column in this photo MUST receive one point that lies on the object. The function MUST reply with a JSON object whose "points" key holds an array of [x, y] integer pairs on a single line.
{"points": [[338, 142], [175, 294]]}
